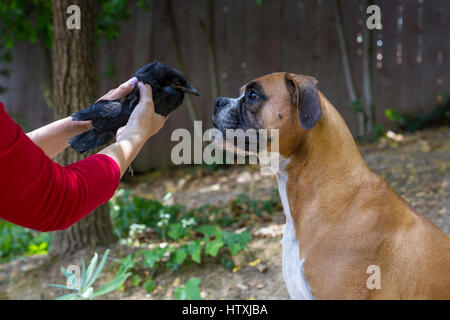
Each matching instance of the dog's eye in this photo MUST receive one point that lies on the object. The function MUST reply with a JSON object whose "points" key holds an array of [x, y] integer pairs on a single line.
{"points": [[253, 96]]}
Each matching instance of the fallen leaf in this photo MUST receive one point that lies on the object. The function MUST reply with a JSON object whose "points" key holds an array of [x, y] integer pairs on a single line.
{"points": [[254, 262], [176, 282]]}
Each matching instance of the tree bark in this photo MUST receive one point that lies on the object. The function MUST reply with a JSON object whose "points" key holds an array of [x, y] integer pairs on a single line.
{"points": [[74, 87]]}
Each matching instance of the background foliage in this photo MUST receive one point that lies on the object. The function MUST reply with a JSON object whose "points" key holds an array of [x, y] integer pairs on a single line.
{"points": [[32, 21]]}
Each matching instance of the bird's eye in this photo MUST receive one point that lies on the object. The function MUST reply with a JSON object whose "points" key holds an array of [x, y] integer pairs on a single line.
{"points": [[253, 96]]}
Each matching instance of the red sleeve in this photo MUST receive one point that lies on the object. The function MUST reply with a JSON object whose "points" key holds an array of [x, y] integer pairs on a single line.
{"points": [[39, 194]]}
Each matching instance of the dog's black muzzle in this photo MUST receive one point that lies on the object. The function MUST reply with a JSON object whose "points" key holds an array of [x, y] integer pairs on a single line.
{"points": [[228, 115]]}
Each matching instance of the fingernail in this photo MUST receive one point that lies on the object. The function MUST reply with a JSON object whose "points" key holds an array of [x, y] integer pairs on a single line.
{"points": [[132, 81]]}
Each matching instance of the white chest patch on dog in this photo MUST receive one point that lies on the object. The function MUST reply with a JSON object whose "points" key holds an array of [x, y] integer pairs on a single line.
{"points": [[293, 271]]}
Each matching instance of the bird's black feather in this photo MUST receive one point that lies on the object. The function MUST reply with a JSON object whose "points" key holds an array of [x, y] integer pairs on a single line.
{"points": [[168, 87]]}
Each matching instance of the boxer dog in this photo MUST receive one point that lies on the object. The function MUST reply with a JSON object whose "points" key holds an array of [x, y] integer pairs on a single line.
{"points": [[342, 220]]}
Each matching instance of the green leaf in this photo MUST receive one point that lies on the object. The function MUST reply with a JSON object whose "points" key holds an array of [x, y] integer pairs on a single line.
{"points": [[212, 247], [176, 231], [234, 248], [179, 255], [195, 250], [90, 270], [135, 280], [126, 264], [70, 296], [113, 285], [9, 41], [83, 271], [394, 116], [60, 286], [208, 230], [97, 272], [151, 257], [235, 242], [227, 263], [149, 285], [356, 105], [190, 291]]}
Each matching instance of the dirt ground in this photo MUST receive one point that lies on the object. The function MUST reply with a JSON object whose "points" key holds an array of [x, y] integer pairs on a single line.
{"points": [[416, 166]]}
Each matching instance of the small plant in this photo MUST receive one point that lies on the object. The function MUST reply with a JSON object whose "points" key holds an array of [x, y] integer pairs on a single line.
{"points": [[395, 116], [356, 105], [190, 291], [188, 236], [83, 285], [39, 250], [190, 250], [16, 241], [378, 130], [411, 122]]}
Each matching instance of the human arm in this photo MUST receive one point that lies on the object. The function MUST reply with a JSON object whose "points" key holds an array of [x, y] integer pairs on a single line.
{"points": [[39, 194], [53, 138]]}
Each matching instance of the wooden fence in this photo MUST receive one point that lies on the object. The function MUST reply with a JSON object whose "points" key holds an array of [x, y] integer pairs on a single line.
{"points": [[411, 57]]}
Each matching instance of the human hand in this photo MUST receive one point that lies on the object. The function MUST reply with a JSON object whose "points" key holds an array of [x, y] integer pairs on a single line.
{"points": [[72, 127], [144, 122], [121, 91]]}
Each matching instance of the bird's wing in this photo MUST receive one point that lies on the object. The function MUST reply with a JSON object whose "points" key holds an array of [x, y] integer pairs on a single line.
{"points": [[99, 110]]}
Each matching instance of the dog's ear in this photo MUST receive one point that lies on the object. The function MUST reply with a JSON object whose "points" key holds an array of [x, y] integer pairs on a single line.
{"points": [[303, 90]]}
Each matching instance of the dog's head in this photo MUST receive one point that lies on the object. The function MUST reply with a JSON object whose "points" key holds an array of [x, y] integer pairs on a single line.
{"points": [[284, 101]]}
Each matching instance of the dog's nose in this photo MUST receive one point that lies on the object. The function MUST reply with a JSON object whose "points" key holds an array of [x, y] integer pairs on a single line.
{"points": [[220, 103]]}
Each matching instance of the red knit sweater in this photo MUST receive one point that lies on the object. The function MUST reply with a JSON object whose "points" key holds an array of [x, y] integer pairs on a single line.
{"points": [[39, 194]]}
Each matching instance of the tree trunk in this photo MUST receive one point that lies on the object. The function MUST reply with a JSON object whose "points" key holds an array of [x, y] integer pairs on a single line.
{"points": [[74, 87]]}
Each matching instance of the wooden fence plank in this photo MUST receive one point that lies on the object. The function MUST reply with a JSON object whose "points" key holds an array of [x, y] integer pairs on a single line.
{"points": [[251, 40]]}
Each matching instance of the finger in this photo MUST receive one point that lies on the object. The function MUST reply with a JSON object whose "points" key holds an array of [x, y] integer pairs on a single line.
{"points": [[125, 88], [145, 91], [77, 126]]}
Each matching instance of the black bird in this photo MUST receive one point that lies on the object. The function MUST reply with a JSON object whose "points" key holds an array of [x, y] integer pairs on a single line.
{"points": [[168, 87]]}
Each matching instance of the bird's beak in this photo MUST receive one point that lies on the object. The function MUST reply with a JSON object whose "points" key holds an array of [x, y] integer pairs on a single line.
{"points": [[188, 89]]}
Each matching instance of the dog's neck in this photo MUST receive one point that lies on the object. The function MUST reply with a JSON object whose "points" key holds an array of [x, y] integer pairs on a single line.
{"points": [[331, 147]]}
